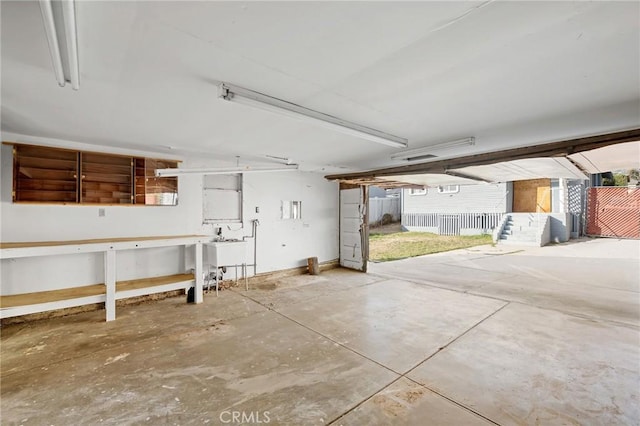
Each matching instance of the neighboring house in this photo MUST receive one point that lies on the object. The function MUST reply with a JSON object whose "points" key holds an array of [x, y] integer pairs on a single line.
{"points": [[517, 211]]}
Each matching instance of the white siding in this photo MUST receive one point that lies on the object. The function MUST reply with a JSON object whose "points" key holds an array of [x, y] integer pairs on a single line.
{"points": [[480, 198]]}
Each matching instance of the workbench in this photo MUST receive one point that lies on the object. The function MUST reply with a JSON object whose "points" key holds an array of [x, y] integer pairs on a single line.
{"points": [[109, 291]]}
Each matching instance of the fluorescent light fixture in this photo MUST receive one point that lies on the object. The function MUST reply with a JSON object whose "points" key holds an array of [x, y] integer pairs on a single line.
{"points": [[244, 96], [60, 27], [284, 160], [427, 151], [223, 170]]}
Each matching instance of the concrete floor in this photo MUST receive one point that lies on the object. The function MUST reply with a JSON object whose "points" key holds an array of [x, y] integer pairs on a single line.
{"points": [[486, 335]]}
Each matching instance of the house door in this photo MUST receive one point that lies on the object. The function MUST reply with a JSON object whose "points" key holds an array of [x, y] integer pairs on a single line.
{"points": [[354, 231], [532, 196]]}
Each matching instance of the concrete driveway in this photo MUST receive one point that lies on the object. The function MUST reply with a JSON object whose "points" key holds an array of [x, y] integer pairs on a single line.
{"points": [[563, 349], [480, 336]]}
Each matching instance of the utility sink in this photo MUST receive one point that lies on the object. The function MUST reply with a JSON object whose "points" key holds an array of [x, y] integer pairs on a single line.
{"points": [[225, 253]]}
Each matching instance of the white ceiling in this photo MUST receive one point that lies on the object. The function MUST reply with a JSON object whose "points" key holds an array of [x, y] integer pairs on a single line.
{"points": [[509, 73]]}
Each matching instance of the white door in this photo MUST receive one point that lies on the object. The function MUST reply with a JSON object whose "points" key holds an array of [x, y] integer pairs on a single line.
{"points": [[354, 234]]}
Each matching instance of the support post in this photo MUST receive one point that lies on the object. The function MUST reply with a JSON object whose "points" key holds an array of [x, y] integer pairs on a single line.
{"points": [[110, 283], [199, 297]]}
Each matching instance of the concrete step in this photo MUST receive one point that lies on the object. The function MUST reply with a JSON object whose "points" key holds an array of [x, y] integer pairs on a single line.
{"points": [[521, 228], [522, 222], [532, 233], [527, 233], [518, 237]]}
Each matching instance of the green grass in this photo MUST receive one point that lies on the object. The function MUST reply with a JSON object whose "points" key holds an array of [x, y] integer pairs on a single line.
{"points": [[386, 247]]}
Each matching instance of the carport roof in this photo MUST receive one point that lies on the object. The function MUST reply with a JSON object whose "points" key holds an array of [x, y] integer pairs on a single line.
{"points": [[573, 159], [615, 157]]}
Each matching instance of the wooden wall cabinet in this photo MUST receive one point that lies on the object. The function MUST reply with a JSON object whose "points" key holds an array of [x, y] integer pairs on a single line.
{"points": [[45, 174], [152, 190], [53, 175], [106, 179]]}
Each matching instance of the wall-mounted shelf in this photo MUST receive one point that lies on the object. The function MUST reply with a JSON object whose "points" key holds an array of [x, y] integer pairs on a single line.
{"points": [[55, 175]]}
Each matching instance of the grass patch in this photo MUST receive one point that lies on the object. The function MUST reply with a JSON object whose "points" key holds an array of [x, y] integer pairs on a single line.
{"points": [[386, 247]]}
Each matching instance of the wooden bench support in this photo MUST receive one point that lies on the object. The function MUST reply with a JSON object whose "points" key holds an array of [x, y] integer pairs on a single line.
{"points": [[110, 283], [110, 291], [31, 303]]}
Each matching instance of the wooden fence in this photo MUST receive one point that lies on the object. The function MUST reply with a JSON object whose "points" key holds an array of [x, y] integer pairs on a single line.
{"points": [[613, 212], [378, 207]]}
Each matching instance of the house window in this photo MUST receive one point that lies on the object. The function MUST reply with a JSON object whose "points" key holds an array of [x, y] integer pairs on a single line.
{"points": [[222, 198], [292, 209], [54, 175], [448, 189], [418, 191]]}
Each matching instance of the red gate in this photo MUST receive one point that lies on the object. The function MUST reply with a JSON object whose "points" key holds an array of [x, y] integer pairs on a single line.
{"points": [[613, 212]]}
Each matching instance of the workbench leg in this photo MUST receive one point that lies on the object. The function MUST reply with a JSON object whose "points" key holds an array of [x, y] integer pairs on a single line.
{"points": [[110, 282], [199, 297]]}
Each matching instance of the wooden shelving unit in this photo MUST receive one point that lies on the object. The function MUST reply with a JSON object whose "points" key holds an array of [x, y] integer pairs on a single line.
{"points": [[106, 179], [54, 175], [45, 174], [140, 189], [152, 190]]}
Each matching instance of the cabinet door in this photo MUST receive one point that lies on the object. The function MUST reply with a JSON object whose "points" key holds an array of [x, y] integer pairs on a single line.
{"points": [[152, 190], [47, 175], [106, 179]]}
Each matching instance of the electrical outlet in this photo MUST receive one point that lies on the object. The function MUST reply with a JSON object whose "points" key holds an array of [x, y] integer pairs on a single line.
{"points": [[257, 209], [101, 213]]}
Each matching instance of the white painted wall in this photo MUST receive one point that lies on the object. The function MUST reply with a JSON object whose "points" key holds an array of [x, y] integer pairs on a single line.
{"points": [[282, 244]]}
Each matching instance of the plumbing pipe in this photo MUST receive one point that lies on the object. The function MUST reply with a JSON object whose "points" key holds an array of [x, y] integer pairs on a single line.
{"points": [[254, 236]]}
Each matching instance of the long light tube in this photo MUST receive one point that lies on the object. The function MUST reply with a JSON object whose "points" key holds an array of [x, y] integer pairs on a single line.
{"points": [[60, 27], [222, 170], [69, 13], [241, 95], [427, 151], [52, 39]]}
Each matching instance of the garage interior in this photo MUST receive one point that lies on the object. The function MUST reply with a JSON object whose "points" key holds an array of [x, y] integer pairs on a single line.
{"points": [[154, 149]]}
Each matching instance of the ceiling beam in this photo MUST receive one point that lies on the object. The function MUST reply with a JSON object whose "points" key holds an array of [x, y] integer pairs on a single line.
{"points": [[553, 149]]}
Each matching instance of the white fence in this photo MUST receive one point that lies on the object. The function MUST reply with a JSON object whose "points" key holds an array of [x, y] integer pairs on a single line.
{"points": [[452, 224], [378, 207]]}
